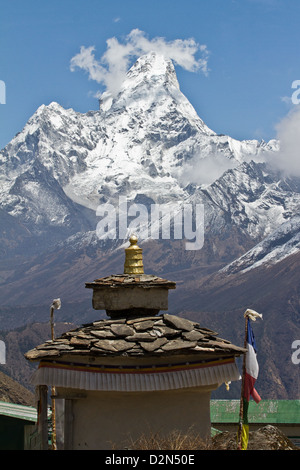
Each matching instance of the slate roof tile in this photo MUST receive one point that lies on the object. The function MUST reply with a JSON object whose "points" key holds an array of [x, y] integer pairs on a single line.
{"points": [[156, 335]]}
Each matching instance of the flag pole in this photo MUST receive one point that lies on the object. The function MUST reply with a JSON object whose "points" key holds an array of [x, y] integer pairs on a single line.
{"points": [[56, 304], [242, 388], [248, 355], [53, 388]]}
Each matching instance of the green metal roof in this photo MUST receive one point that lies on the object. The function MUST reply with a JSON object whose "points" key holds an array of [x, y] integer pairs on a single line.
{"points": [[266, 411], [27, 413]]}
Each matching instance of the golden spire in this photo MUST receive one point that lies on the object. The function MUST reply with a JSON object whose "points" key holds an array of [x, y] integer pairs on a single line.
{"points": [[133, 258]]}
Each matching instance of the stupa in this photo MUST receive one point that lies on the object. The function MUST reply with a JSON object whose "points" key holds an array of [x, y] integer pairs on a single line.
{"points": [[138, 370]]}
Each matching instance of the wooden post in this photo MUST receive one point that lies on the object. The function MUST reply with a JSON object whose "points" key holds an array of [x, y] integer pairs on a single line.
{"points": [[56, 304], [53, 393], [54, 447], [242, 388]]}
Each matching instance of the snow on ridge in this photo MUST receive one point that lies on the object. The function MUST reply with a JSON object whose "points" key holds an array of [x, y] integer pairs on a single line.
{"points": [[281, 243], [140, 142]]}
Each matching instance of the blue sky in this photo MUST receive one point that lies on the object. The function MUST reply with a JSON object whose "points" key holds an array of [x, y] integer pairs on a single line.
{"points": [[252, 53]]}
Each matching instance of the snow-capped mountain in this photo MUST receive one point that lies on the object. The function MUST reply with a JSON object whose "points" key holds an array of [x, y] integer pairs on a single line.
{"points": [[280, 244], [148, 140], [255, 198], [146, 144]]}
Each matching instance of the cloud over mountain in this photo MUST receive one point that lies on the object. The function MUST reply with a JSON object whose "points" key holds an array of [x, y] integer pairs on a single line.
{"points": [[287, 159], [110, 70]]}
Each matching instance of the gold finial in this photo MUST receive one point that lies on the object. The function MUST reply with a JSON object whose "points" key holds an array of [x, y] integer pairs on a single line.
{"points": [[133, 258]]}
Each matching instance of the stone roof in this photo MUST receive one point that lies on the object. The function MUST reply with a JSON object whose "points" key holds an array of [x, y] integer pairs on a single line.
{"points": [[159, 335], [131, 280]]}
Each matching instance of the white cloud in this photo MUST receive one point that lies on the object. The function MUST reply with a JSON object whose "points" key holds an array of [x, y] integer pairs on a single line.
{"points": [[287, 159], [205, 170], [111, 69], [286, 99]]}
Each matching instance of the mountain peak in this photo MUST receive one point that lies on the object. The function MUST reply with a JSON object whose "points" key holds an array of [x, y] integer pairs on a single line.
{"points": [[150, 72], [153, 66]]}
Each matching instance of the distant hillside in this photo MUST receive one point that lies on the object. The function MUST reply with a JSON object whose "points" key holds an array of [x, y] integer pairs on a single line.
{"points": [[17, 371], [12, 392]]}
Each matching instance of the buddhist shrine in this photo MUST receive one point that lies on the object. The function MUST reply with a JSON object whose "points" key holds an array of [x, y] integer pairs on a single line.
{"points": [[139, 370]]}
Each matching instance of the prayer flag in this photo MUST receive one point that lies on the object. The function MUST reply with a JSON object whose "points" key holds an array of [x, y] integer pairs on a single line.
{"points": [[252, 368]]}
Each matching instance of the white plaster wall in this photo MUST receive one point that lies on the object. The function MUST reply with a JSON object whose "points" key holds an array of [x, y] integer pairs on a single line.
{"points": [[106, 420]]}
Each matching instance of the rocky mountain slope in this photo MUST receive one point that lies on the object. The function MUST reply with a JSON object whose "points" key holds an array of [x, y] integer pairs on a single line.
{"points": [[12, 392], [147, 146], [146, 141]]}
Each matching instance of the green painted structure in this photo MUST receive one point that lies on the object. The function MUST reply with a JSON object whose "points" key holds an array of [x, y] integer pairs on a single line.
{"points": [[16, 421], [284, 414]]}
